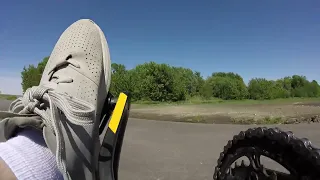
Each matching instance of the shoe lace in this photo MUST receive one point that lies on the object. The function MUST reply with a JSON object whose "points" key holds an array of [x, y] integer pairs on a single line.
{"points": [[76, 111]]}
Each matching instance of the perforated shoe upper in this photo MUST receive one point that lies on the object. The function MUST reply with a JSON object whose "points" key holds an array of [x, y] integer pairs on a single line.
{"points": [[86, 44]]}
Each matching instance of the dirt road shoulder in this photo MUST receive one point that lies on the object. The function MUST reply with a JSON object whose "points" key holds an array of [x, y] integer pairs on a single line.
{"points": [[290, 113]]}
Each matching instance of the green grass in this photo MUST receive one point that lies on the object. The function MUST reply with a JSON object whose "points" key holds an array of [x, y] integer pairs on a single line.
{"points": [[8, 97], [216, 101]]}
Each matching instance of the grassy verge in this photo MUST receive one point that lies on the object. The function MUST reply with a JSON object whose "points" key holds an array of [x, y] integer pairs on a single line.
{"points": [[8, 97]]}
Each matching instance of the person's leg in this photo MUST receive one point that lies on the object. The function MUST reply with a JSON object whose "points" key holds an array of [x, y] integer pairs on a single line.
{"points": [[26, 156], [73, 88], [6, 172]]}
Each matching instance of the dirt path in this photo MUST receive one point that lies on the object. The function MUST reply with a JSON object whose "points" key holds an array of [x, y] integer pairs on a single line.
{"points": [[226, 113]]}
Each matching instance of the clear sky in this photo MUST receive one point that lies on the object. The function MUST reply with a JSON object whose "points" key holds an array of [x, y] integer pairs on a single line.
{"points": [[255, 38]]}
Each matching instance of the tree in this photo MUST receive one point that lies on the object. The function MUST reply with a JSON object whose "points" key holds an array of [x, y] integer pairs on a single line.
{"points": [[228, 86], [260, 88], [120, 79], [156, 82], [161, 82], [31, 76], [281, 88], [206, 90]]}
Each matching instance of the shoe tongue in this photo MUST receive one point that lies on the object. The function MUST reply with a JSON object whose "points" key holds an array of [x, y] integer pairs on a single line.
{"points": [[50, 84], [65, 88]]}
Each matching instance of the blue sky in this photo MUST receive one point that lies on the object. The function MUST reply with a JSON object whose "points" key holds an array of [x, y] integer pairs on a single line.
{"points": [[255, 38]]}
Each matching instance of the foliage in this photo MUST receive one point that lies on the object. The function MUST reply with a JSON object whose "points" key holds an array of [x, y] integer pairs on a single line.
{"points": [[227, 86], [31, 75], [164, 83], [260, 88], [122, 77]]}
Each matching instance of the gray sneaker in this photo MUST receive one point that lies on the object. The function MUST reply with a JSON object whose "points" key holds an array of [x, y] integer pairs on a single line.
{"points": [[70, 98]]}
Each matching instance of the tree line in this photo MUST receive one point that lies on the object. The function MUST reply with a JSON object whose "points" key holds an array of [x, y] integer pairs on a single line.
{"points": [[152, 81]]}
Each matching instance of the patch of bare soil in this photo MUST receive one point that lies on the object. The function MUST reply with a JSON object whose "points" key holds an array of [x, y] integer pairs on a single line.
{"points": [[226, 114]]}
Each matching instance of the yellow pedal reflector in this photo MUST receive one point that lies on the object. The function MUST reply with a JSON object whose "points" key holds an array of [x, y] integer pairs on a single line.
{"points": [[117, 112]]}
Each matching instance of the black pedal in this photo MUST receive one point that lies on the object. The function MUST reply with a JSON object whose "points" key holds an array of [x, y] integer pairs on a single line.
{"points": [[112, 130]]}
